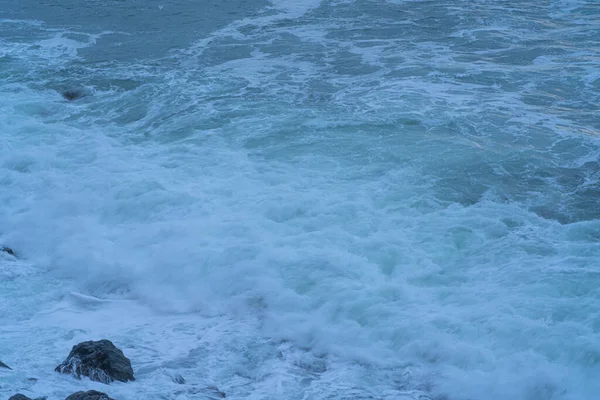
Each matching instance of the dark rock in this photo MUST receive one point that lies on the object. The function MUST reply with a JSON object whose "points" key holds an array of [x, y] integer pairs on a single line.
{"points": [[99, 360], [73, 95], [8, 250], [2, 365], [19, 396], [177, 378], [89, 395]]}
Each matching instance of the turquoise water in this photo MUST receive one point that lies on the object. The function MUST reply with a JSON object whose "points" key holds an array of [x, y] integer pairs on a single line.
{"points": [[303, 199]]}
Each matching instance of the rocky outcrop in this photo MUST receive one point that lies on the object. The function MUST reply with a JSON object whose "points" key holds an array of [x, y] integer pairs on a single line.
{"points": [[2, 365], [89, 395], [99, 360]]}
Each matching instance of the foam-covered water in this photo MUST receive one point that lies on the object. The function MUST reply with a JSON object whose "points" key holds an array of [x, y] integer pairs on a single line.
{"points": [[303, 199]]}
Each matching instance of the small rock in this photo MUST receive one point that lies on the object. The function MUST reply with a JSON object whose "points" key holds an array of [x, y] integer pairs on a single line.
{"points": [[177, 378], [19, 396], [72, 95], [2, 365], [8, 250], [99, 360], [89, 395]]}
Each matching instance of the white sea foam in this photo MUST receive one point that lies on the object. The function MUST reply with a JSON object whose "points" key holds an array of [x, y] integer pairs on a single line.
{"points": [[324, 208]]}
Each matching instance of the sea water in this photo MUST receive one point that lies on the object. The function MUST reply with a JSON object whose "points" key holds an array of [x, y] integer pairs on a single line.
{"points": [[303, 199]]}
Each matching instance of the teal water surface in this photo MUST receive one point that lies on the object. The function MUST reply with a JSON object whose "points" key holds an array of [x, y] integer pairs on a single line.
{"points": [[303, 199]]}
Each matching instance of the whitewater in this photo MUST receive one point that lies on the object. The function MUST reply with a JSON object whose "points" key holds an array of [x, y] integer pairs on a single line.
{"points": [[311, 199]]}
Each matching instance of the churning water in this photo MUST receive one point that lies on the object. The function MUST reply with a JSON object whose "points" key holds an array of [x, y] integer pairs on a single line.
{"points": [[303, 199]]}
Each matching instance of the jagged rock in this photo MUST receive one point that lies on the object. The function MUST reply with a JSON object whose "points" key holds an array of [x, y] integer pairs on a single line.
{"points": [[2, 365], [99, 360], [8, 250], [72, 95], [89, 395]]}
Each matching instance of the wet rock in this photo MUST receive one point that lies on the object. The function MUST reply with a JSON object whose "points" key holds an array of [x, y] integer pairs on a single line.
{"points": [[177, 378], [99, 360], [74, 94], [89, 395], [19, 396], [8, 250], [2, 365]]}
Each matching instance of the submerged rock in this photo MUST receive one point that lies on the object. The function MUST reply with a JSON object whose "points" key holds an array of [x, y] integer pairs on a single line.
{"points": [[2, 365], [177, 378], [89, 395], [214, 391], [208, 393], [8, 250], [99, 360], [72, 95]]}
